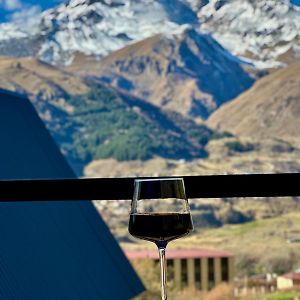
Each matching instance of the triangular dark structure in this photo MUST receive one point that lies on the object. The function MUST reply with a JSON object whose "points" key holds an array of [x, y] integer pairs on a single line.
{"points": [[52, 250]]}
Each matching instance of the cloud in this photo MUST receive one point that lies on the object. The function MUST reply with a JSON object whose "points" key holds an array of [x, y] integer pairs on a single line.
{"points": [[19, 11], [27, 13], [11, 4]]}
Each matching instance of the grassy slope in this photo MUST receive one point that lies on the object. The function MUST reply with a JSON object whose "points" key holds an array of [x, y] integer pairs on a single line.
{"points": [[284, 296], [269, 108], [32, 76]]}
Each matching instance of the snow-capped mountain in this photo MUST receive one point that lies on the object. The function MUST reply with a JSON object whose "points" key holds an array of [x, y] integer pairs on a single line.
{"points": [[93, 27], [267, 32]]}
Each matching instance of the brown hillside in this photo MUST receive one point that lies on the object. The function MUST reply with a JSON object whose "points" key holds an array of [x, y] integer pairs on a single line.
{"points": [[188, 73], [270, 108], [36, 78], [154, 79]]}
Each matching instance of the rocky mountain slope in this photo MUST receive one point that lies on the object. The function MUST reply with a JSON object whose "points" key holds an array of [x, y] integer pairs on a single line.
{"points": [[188, 73], [270, 108], [90, 121], [266, 32]]}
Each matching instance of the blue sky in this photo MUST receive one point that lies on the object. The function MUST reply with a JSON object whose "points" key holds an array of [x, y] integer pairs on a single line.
{"points": [[16, 9]]}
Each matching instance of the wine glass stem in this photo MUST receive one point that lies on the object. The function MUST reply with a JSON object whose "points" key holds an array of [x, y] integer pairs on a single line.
{"points": [[163, 272]]}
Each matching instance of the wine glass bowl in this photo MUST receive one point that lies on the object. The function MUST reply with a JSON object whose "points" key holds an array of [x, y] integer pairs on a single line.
{"points": [[160, 213], [160, 228]]}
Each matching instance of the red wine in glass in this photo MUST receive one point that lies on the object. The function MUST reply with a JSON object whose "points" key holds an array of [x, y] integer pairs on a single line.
{"points": [[155, 227]]}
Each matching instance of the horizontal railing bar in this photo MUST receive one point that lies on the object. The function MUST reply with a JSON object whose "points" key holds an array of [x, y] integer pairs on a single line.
{"points": [[211, 186]]}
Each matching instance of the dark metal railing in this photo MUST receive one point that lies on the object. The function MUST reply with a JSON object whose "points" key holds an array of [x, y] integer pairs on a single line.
{"points": [[212, 186]]}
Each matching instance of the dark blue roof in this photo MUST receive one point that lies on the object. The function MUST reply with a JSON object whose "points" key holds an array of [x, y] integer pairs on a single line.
{"points": [[52, 250]]}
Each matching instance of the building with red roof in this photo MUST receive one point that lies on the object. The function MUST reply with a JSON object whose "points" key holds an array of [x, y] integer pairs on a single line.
{"points": [[196, 268], [288, 281]]}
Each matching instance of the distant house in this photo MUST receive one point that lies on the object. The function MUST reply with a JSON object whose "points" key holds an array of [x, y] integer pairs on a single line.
{"points": [[288, 281], [196, 268]]}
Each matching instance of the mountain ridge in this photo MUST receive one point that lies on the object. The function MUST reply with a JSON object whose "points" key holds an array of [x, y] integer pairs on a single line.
{"points": [[188, 73]]}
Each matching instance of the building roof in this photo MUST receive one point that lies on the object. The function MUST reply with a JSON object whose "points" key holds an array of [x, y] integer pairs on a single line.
{"points": [[52, 250], [178, 253], [292, 276]]}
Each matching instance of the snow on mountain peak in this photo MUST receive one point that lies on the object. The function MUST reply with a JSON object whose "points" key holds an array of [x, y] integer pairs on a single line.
{"points": [[96, 27], [261, 30]]}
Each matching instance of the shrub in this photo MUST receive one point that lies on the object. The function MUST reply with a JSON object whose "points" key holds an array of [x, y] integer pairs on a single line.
{"points": [[220, 292], [206, 219], [221, 135], [237, 146], [232, 216]]}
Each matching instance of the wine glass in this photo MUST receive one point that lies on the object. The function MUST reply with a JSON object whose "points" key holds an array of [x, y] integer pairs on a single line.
{"points": [[160, 213]]}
